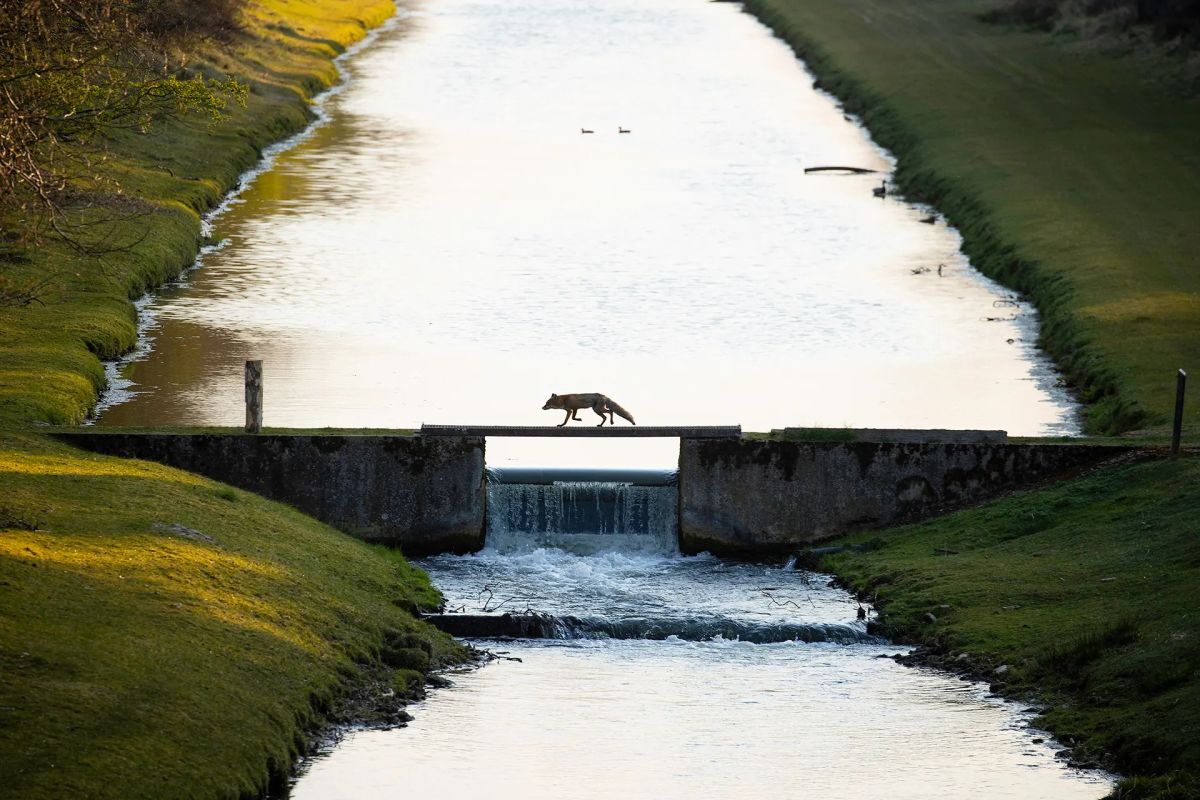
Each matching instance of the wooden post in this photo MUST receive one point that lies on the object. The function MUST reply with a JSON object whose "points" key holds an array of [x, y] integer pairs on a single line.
{"points": [[254, 396], [1177, 432]]}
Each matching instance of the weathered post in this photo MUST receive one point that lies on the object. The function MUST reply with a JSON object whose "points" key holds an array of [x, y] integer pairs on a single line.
{"points": [[254, 396], [1177, 431]]}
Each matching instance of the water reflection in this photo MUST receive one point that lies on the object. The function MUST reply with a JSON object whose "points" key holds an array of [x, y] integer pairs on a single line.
{"points": [[689, 716], [449, 247], [700, 720]]}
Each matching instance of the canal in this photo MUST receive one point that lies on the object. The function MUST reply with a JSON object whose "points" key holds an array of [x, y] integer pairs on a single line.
{"points": [[449, 245]]}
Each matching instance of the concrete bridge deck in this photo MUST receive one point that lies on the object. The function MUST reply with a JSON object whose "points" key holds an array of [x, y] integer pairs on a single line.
{"points": [[608, 431]]}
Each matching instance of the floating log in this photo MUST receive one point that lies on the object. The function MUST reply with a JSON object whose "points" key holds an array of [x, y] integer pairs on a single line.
{"points": [[851, 170]]}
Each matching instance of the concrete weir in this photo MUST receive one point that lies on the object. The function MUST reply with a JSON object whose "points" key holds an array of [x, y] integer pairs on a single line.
{"points": [[424, 495], [736, 496], [753, 497]]}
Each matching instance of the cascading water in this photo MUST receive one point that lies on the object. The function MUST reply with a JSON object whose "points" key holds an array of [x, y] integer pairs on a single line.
{"points": [[582, 511], [593, 554]]}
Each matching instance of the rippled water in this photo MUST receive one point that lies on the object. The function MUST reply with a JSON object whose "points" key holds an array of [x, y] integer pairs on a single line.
{"points": [[678, 717], [616, 584], [448, 247]]}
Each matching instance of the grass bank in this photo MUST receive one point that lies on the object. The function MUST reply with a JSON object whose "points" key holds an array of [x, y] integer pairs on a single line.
{"points": [[1072, 175], [165, 635], [1080, 595], [161, 634]]}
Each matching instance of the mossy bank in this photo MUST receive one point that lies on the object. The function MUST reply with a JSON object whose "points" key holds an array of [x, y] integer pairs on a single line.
{"points": [[1071, 174], [163, 635], [1079, 596]]}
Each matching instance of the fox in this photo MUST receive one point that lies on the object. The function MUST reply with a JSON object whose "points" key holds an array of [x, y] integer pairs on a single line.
{"points": [[602, 405]]}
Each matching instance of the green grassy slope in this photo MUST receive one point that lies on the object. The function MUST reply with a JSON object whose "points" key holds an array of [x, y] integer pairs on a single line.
{"points": [[1072, 177], [50, 368], [1084, 592], [164, 635]]}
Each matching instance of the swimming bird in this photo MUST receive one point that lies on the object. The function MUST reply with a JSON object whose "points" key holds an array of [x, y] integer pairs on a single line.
{"points": [[930, 220], [585, 130], [880, 190], [622, 130]]}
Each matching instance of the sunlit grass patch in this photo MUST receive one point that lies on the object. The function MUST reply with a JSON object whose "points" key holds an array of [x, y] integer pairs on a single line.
{"points": [[91, 466], [159, 629]]}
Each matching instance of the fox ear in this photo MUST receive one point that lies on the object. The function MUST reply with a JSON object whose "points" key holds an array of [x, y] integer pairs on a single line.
{"points": [[553, 395]]}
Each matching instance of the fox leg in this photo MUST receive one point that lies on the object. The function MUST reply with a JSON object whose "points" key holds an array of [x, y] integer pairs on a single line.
{"points": [[605, 414], [565, 421]]}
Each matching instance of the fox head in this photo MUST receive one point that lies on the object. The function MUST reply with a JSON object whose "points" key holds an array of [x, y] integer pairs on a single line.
{"points": [[551, 403]]}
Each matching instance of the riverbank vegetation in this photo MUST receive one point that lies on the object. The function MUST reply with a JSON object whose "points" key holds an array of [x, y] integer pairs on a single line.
{"points": [[1166, 20], [1079, 596], [165, 635], [161, 634], [1163, 35], [74, 74], [1071, 173]]}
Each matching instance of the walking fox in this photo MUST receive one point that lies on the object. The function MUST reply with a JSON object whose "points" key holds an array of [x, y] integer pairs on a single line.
{"points": [[571, 403]]}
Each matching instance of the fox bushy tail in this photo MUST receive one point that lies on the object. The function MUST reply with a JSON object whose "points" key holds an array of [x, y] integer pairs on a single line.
{"points": [[615, 407]]}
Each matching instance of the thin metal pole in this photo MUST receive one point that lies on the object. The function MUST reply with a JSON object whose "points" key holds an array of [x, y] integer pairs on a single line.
{"points": [[1177, 432], [254, 396]]}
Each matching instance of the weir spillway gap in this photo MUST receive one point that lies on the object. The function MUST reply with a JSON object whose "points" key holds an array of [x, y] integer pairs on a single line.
{"points": [[583, 511]]}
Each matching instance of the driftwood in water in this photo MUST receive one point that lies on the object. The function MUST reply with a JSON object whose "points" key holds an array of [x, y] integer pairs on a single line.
{"points": [[852, 170]]}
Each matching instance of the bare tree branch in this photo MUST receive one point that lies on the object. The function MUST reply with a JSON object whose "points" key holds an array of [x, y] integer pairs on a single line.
{"points": [[74, 72]]}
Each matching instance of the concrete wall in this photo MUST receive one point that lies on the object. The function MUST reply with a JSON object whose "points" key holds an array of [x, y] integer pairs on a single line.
{"points": [[747, 497], [424, 495], [736, 496]]}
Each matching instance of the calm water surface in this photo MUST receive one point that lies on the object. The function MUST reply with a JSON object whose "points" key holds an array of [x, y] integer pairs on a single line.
{"points": [[448, 247]]}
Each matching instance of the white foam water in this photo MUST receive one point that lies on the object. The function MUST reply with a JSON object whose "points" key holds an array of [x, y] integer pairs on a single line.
{"points": [[583, 517]]}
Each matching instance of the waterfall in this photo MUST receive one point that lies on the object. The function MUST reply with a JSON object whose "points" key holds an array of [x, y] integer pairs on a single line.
{"points": [[582, 511]]}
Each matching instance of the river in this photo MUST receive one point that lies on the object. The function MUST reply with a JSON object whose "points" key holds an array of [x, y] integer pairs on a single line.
{"points": [[449, 246]]}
